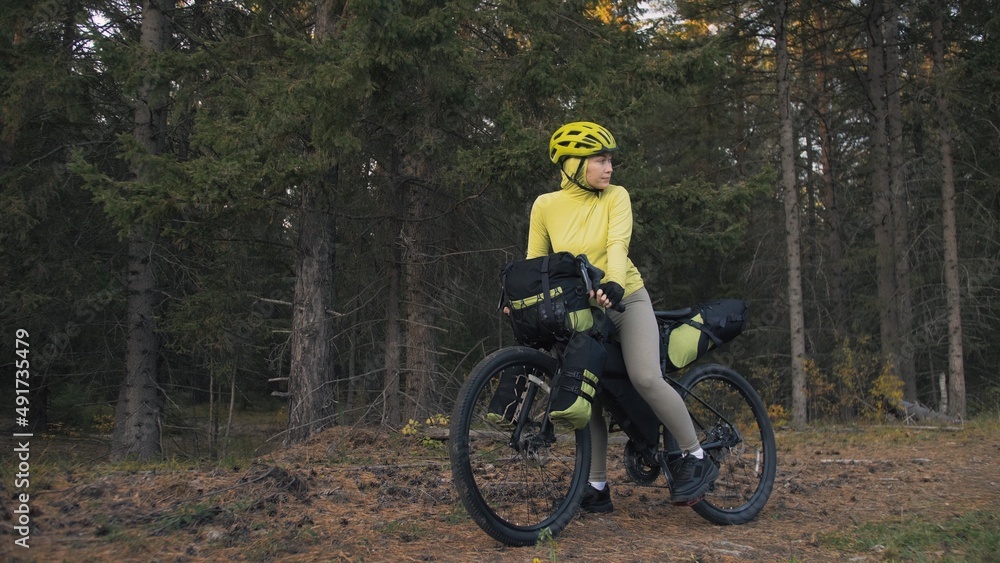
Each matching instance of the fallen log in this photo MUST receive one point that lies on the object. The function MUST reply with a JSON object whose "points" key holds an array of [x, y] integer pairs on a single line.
{"points": [[916, 411]]}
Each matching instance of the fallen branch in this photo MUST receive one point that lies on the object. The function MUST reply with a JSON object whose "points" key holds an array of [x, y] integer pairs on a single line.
{"points": [[870, 461], [435, 432], [910, 427]]}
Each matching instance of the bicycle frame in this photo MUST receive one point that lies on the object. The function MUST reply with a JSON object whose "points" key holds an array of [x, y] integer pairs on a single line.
{"points": [[637, 431]]}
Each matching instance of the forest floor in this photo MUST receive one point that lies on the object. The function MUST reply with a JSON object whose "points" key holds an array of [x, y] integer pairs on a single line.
{"points": [[842, 493]]}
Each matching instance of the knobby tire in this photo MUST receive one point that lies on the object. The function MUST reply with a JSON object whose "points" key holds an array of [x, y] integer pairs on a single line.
{"points": [[514, 492]]}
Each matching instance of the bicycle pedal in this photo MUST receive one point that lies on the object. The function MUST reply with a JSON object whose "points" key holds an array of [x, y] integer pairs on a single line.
{"points": [[688, 502]]}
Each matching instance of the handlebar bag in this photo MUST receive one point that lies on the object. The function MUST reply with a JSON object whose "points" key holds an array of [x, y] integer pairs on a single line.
{"points": [[711, 325], [547, 297]]}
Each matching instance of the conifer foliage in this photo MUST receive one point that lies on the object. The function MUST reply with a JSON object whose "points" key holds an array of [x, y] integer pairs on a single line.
{"points": [[302, 204]]}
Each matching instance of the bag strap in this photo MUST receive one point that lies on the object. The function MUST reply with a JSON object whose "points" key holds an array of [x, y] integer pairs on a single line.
{"points": [[503, 286], [546, 299], [559, 384], [704, 329], [504, 300]]}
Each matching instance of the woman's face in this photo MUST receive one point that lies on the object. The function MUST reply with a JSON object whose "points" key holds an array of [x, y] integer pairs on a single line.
{"points": [[599, 171]]}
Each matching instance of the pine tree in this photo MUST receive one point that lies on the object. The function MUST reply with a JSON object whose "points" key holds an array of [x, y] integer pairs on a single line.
{"points": [[792, 222], [138, 424], [956, 366]]}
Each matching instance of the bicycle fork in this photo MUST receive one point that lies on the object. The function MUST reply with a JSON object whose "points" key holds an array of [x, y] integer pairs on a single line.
{"points": [[544, 434]]}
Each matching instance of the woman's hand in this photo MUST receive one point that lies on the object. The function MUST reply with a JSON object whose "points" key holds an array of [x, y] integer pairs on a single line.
{"points": [[609, 294], [601, 298]]}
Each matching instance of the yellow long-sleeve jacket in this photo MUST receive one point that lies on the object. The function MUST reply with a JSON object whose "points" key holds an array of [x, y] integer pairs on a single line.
{"points": [[582, 222]]}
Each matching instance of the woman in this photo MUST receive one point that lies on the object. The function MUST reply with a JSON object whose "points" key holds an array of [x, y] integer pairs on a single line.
{"points": [[591, 216]]}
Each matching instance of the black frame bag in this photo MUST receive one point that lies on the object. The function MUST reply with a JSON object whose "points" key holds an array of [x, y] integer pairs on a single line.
{"points": [[548, 297]]}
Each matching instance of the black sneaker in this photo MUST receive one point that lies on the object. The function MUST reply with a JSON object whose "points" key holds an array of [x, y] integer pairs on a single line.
{"points": [[693, 478], [597, 501]]}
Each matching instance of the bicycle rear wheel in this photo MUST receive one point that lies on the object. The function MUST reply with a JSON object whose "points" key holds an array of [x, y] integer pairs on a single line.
{"points": [[734, 429], [515, 483]]}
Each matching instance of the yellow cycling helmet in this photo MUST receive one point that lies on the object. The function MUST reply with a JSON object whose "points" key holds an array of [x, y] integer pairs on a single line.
{"points": [[580, 139]]}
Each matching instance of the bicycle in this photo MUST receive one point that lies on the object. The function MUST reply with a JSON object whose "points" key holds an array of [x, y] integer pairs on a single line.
{"points": [[519, 482]]}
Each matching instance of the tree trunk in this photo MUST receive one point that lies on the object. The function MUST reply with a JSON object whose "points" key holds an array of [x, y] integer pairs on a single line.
{"points": [[831, 210], [391, 414], [421, 316], [956, 364], [355, 394], [832, 219], [229, 416], [881, 189], [390, 382], [140, 400], [327, 16], [792, 220], [311, 377], [900, 209]]}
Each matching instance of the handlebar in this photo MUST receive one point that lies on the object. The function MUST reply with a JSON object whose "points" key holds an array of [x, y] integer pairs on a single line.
{"points": [[592, 276]]}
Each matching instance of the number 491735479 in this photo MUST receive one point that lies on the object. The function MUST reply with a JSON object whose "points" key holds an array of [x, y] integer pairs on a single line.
{"points": [[23, 373]]}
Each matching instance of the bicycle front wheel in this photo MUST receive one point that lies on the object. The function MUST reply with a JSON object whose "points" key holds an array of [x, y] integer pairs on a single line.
{"points": [[734, 429], [521, 478]]}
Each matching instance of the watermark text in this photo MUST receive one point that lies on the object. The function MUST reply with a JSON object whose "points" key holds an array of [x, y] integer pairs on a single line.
{"points": [[22, 440]]}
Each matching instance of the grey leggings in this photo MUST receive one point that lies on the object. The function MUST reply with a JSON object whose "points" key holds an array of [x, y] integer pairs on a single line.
{"points": [[640, 339]]}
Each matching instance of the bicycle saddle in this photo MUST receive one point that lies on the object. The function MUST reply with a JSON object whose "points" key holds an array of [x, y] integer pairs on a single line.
{"points": [[675, 314]]}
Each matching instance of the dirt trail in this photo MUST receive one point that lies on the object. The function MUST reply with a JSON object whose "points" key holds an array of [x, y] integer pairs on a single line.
{"points": [[364, 496]]}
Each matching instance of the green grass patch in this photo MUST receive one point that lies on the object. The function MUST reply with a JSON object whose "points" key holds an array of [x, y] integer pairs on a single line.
{"points": [[866, 435], [193, 516], [970, 537], [457, 514], [404, 530], [281, 544], [130, 539]]}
